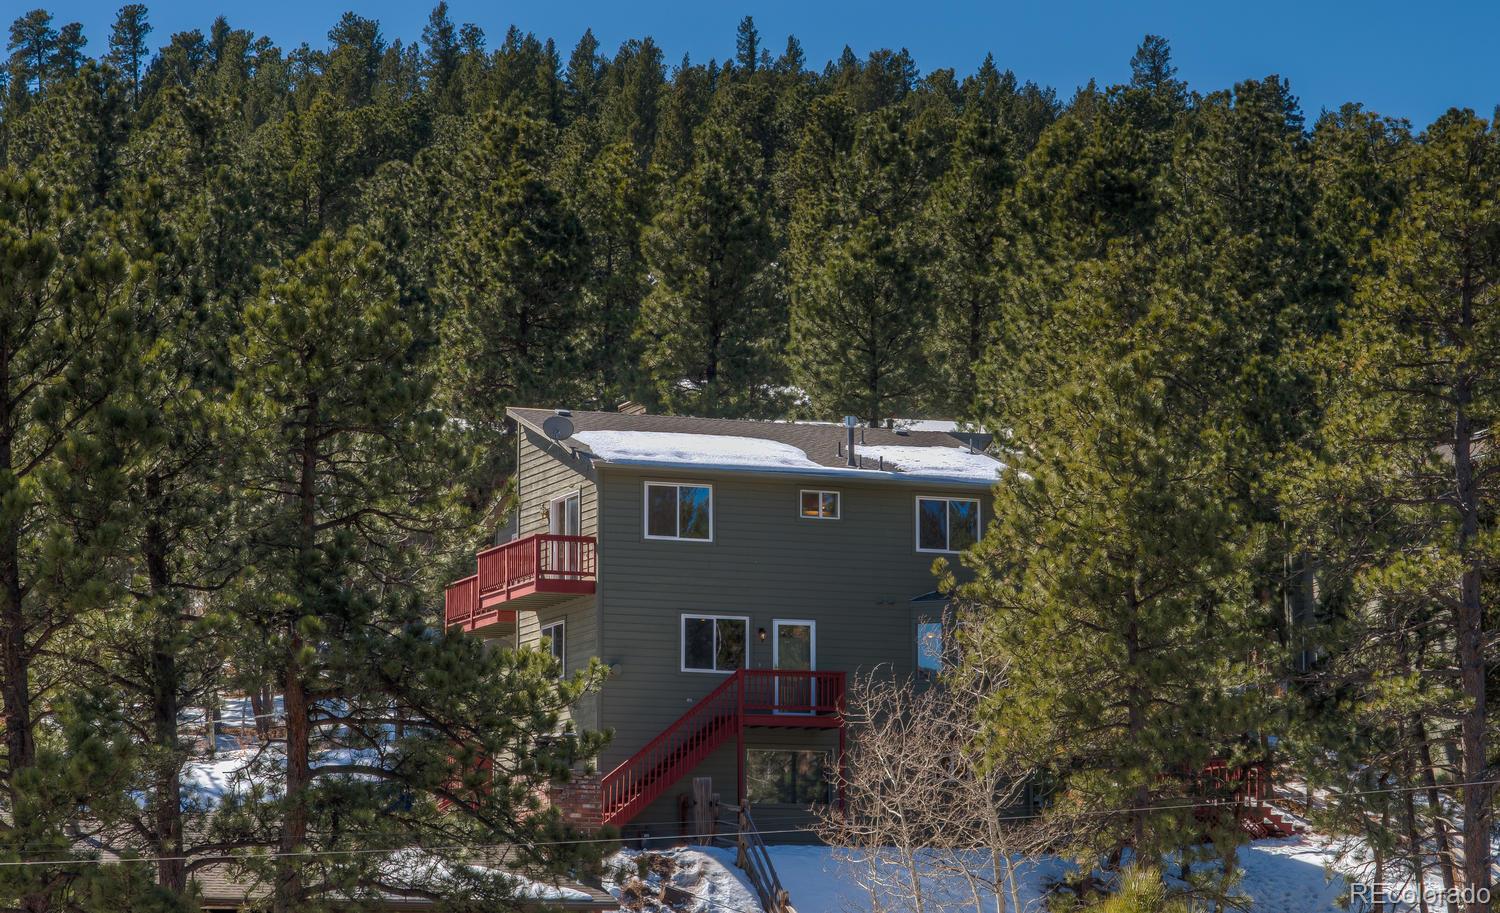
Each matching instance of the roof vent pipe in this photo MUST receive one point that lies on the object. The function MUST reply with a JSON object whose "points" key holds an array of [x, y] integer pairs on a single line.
{"points": [[849, 423]]}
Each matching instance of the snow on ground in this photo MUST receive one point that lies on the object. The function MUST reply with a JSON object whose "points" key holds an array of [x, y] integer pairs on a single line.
{"points": [[694, 449], [1291, 875], [706, 876], [934, 462], [206, 781], [414, 866]]}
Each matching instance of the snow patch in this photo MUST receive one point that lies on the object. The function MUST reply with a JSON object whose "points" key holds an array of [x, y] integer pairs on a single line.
{"points": [[706, 875], [734, 452], [1304, 874], [934, 462], [207, 781], [694, 449]]}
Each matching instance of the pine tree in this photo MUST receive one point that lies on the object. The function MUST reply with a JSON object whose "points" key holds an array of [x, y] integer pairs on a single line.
{"points": [[583, 76], [747, 45], [612, 195], [1115, 542], [127, 46], [67, 54], [321, 398], [861, 305], [711, 323], [32, 46], [440, 57], [1405, 475], [165, 649], [1120, 534], [62, 345], [964, 217], [510, 273], [354, 475]]}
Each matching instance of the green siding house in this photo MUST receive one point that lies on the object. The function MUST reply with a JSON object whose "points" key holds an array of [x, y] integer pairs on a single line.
{"points": [[733, 575]]}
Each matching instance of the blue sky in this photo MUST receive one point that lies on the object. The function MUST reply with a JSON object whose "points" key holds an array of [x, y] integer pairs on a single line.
{"points": [[1410, 59]]}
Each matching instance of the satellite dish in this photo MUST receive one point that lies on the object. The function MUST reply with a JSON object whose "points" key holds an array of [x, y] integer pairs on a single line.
{"points": [[558, 427]]}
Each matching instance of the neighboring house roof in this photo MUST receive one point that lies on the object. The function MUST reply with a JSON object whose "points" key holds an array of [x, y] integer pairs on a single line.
{"points": [[219, 889], [811, 449]]}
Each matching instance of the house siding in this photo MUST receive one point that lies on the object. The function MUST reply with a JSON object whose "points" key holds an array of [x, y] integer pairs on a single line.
{"points": [[855, 577], [545, 471]]}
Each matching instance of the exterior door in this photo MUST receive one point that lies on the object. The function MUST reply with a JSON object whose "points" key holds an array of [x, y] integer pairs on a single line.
{"points": [[564, 518], [795, 649]]}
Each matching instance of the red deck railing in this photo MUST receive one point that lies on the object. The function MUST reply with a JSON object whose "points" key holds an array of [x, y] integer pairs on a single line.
{"points": [[461, 600], [540, 563], [748, 697], [1241, 784]]}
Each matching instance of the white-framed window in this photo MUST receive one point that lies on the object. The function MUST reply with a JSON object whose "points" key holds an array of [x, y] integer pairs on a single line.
{"points": [[555, 639], [946, 524], [679, 510], [816, 504], [714, 643]]}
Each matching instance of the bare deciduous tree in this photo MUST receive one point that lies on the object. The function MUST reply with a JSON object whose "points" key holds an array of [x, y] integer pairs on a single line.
{"points": [[932, 821]]}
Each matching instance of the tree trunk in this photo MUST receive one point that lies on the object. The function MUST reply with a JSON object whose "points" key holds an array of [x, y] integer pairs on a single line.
{"points": [[1440, 839], [288, 893], [1136, 722], [1413, 837], [15, 655], [1473, 738], [171, 871]]}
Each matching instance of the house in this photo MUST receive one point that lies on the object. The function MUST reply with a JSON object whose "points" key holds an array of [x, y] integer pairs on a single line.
{"points": [[733, 574]]}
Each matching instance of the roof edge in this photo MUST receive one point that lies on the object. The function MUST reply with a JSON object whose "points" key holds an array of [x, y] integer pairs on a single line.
{"points": [[853, 475]]}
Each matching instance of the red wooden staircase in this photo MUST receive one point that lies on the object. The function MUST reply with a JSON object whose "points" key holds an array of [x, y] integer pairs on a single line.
{"points": [[750, 697], [1245, 791]]}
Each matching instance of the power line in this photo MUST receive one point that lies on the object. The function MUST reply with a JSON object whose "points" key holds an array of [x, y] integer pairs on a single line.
{"points": [[355, 851], [363, 851]]}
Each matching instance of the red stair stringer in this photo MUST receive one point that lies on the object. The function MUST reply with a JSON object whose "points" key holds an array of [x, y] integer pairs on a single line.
{"points": [[644, 776]]}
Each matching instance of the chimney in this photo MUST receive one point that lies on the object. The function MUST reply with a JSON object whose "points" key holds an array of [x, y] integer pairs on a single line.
{"points": [[630, 407], [849, 423]]}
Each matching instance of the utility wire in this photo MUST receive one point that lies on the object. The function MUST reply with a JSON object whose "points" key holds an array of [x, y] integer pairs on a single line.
{"points": [[354, 851]]}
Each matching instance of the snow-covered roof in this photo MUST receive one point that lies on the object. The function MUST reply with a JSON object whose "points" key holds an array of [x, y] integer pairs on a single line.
{"points": [[814, 449], [655, 447], [936, 462]]}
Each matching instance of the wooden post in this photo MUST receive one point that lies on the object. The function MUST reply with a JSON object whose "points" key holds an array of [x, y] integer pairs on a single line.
{"points": [[703, 797], [741, 840], [739, 737]]}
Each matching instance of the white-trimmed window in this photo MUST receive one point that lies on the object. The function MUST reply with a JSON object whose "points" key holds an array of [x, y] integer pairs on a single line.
{"points": [[555, 636], [947, 524], [714, 643], [818, 504], [679, 510]]}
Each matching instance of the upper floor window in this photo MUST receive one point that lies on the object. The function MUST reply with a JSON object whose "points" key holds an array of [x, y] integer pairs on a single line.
{"points": [[947, 524], [679, 511], [713, 643], [555, 635], [820, 505]]}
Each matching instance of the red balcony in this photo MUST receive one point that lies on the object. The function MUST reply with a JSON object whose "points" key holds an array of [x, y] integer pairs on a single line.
{"points": [[527, 573]]}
